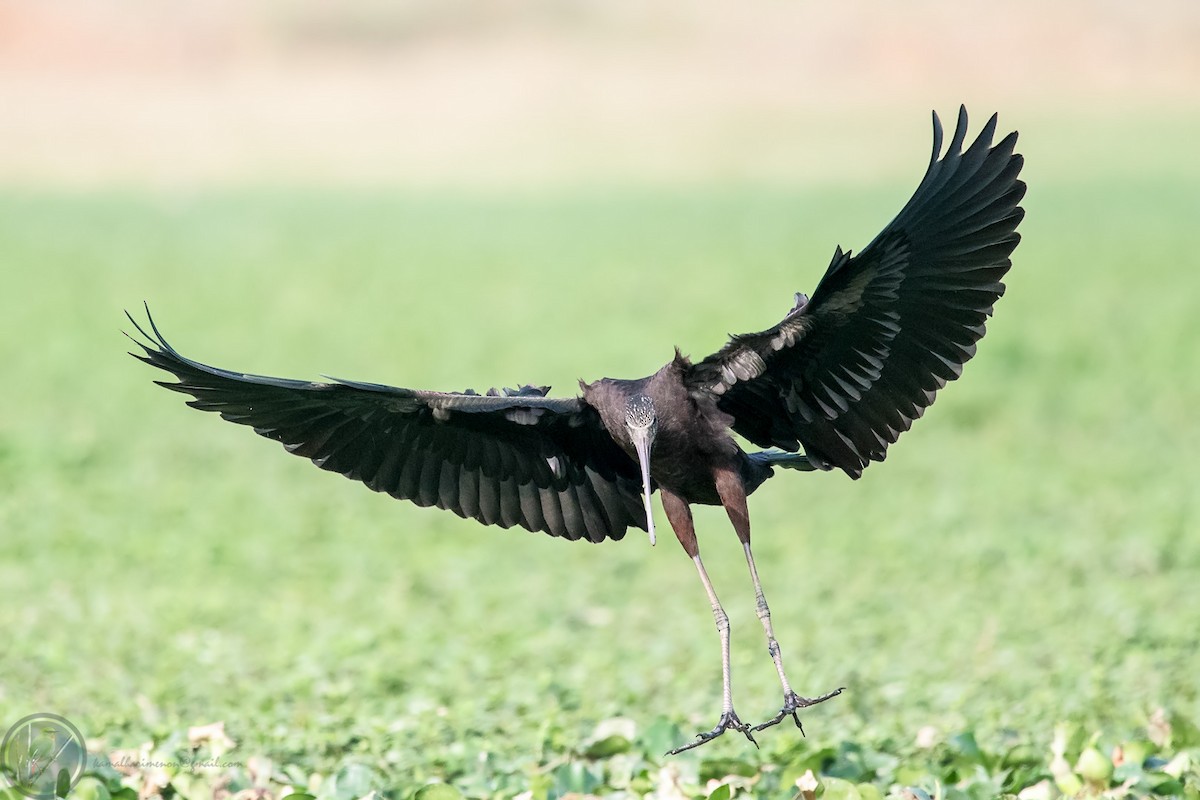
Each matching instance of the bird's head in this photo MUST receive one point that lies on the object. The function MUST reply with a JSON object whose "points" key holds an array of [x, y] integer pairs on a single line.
{"points": [[642, 423]]}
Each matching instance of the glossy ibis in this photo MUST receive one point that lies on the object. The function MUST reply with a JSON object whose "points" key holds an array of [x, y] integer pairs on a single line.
{"points": [[840, 377]]}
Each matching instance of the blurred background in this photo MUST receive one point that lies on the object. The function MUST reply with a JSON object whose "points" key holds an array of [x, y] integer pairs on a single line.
{"points": [[517, 93], [452, 193]]}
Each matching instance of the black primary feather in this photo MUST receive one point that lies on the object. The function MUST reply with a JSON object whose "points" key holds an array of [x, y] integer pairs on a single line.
{"points": [[845, 373], [505, 458]]}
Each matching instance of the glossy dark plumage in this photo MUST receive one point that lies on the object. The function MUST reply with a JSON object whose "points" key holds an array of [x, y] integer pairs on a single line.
{"points": [[517, 458], [840, 377], [848, 371]]}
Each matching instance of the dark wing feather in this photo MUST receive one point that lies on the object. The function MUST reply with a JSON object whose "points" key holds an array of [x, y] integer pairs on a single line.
{"points": [[520, 458], [843, 375]]}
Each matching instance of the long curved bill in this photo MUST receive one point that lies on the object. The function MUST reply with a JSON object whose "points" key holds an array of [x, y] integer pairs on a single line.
{"points": [[641, 443]]}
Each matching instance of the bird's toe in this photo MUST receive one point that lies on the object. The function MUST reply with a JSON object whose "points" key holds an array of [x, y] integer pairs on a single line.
{"points": [[729, 721], [792, 703]]}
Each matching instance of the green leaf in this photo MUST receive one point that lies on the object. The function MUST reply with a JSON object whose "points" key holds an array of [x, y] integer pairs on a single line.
{"points": [[575, 777], [437, 791], [91, 788], [912, 775], [351, 782], [849, 764], [869, 791], [1169, 788], [839, 789], [1094, 767], [238, 779], [193, 785], [722, 792], [62, 783], [713, 769], [659, 737], [607, 747], [1136, 751], [1022, 755], [1184, 732], [966, 747], [540, 786]]}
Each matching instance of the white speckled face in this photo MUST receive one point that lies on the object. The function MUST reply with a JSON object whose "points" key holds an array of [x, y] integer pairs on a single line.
{"points": [[639, 413], [643, 425]]}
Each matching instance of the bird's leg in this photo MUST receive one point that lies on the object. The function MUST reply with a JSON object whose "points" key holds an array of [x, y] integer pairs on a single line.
{"points": [[792, 702], [764, 616], [733, 497], [729, 718], [680, 517]]}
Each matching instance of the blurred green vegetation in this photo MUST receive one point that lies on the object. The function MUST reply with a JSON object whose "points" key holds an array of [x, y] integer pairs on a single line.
{"points": [[1027, 557]]}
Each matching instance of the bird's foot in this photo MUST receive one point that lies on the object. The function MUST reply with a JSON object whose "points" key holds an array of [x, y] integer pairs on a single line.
{"points": [[792, 703], [729, 721]]}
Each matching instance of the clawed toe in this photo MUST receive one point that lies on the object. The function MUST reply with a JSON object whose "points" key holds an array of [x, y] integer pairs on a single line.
{"points": [[729, 721], [792, 703]]}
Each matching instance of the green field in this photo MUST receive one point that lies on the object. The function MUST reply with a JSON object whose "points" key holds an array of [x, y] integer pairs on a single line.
{"points": [[1026, 561]]}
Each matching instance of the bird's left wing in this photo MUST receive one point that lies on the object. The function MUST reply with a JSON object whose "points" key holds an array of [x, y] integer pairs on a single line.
{"points": [[517, 458], [843, 375]]}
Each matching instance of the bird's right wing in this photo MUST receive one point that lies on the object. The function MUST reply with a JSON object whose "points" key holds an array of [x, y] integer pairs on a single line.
{"points": [[843, 375], [518, 458]]}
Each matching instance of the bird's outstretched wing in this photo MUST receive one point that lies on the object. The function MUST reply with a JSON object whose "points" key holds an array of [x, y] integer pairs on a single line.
{"points": [[846, 372], [517, 458]]}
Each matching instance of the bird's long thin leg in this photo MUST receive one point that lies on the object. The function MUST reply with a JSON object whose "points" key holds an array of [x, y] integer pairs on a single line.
{"points": [[792, 702], [680, 516], [733, 497], [722, 620], [764, 616]]}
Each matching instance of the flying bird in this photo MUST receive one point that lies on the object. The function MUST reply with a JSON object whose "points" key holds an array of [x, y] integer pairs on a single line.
{"points": [[830, 386]]}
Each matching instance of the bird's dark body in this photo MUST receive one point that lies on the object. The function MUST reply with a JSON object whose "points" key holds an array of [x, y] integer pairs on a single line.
{"points": [[840, 377], [693, 437]]}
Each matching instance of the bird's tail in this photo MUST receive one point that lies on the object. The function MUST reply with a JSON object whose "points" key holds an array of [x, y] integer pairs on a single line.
{"points": [[779, 458]]}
